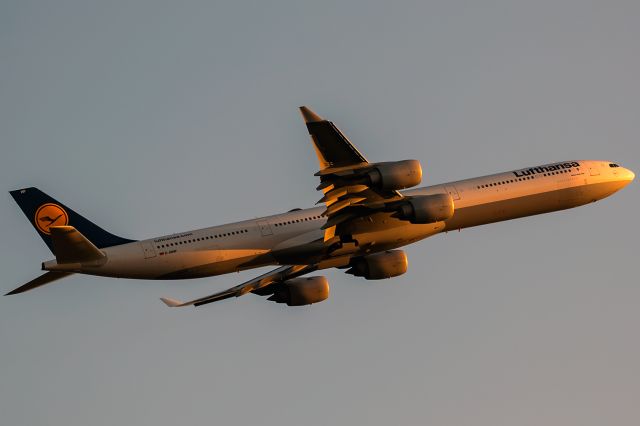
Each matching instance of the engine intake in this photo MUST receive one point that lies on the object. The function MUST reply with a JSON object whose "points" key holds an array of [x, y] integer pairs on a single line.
{"points": [[395, 174], [427, 208], [300, 291], [379, 266]]}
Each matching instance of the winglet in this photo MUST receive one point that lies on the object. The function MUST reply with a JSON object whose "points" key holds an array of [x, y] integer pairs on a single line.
{"points": [[172, 303], [310, 116]]}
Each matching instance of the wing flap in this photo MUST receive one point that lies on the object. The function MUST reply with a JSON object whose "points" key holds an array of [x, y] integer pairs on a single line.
{"points": [[341, 205], [334, 194]]}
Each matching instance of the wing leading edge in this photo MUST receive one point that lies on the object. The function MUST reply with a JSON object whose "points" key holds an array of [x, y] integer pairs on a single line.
{"points": [[258, 283]]}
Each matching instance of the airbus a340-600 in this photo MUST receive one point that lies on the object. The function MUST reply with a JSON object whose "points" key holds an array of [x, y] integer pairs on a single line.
{"points": [[367, 214]]}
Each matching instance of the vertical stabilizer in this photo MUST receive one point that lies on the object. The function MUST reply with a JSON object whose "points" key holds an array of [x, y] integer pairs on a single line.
{"points": [[45, 213]]}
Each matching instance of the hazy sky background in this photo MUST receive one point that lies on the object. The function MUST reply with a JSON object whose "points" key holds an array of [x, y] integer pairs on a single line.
{"points": [[153, 117]]}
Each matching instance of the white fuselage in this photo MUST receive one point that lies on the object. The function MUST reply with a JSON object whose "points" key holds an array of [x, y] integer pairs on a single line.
{"points": [[296, 237]]}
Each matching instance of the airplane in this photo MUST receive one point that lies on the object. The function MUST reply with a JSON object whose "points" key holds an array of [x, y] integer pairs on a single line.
{"points": [[368, 212]]}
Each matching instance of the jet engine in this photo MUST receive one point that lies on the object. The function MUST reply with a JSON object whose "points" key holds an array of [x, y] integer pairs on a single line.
{"points": [[378, 266], [300, 291], [426, 208], [395, 174]]}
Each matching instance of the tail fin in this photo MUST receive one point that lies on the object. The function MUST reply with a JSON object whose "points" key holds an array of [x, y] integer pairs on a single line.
{"points": [[45, 212]]}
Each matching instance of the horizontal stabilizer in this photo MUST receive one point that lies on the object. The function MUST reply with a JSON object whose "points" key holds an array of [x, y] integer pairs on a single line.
{"points": [[47, 278], [70, 246]]}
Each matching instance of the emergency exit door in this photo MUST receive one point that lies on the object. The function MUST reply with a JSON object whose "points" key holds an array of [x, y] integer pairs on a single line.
{"points": [[451, 190], [265, 228], [148, 249]]}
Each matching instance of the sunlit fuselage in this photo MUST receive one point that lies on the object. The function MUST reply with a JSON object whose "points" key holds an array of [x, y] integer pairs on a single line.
{"points": [[296, 237]]}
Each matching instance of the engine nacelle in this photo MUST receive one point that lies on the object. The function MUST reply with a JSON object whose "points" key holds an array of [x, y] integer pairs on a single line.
{"points": [[379, 266], [427, 208], [395, 174], [301, 291]]}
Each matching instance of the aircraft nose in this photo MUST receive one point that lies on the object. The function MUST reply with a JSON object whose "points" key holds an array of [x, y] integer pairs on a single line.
{"points": [[629, 175]]}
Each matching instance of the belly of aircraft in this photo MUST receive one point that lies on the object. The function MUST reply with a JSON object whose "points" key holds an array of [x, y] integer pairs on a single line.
{"points": [[529, 205], [184, 264]]}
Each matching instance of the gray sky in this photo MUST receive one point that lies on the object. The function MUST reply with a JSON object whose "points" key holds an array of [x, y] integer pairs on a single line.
{"points": [[155, 117]]}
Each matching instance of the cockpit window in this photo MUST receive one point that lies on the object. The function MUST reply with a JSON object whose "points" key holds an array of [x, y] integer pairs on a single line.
{"points": [[613, 165]]}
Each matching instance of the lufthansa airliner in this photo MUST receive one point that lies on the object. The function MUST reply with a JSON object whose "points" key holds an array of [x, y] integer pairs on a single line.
{"points": [[367, 212]]}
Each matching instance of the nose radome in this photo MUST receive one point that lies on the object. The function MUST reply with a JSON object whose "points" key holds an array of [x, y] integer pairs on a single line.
{"points": [[627, 174]]}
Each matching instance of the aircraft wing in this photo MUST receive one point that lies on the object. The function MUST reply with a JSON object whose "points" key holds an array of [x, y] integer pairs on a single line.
{"points": [[343, 180], [254, 285]]}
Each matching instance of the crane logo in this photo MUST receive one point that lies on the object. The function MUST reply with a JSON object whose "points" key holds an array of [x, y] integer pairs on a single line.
{"points": [[49, 215]]}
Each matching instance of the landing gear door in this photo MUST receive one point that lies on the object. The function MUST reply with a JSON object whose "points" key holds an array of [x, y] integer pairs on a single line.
{"points": [[451, 190]]}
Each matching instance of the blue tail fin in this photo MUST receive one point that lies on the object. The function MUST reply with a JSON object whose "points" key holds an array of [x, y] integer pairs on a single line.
{"points": [[44, 212]]}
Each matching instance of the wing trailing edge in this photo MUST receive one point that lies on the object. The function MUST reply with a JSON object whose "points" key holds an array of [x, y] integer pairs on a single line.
{"points": [[280, 274]]}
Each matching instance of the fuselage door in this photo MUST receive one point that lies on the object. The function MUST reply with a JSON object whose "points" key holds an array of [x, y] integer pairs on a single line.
{"points": [[265, 228], [148, 249], [451, 190], [594, 171]]}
